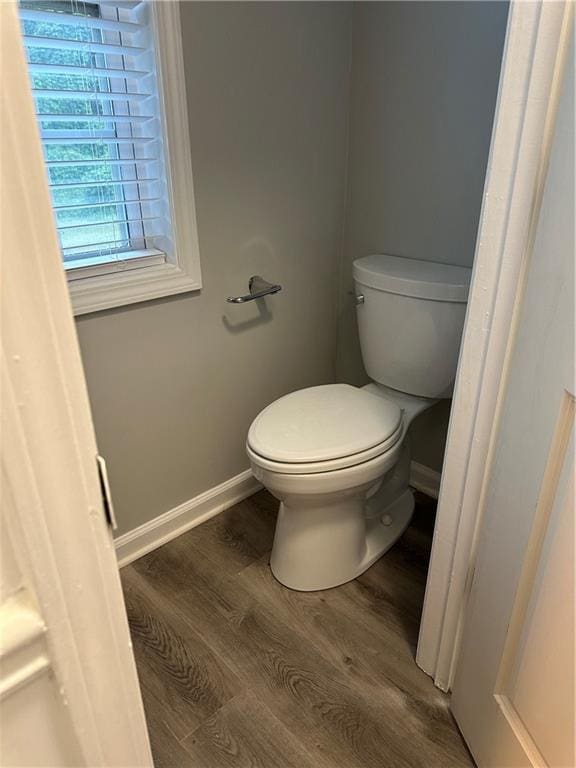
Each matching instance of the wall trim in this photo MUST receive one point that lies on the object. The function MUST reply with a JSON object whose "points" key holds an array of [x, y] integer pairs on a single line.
{"points": [[425, 479], [138, 542], [162, 529]]}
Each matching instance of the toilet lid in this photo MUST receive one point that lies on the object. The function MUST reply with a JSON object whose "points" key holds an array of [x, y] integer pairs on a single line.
{"points": [[323, 423]]}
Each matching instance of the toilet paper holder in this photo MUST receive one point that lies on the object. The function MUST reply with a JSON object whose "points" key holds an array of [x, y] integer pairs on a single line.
{"points": [[258, 288]]}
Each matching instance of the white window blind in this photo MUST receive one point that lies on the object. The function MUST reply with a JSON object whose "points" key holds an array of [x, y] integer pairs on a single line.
{"points": [[93, 75]]}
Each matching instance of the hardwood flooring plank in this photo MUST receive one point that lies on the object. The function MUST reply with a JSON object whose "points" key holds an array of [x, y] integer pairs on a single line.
{"points": [[292, 676], [237, 536], [331, 673], [334, 624], [183, 574], [245, 734], [167, 751], [185, 682], [378, 669], [238, 630]]}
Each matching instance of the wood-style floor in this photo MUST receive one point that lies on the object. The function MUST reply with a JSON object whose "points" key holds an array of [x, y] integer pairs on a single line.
{"points": [[238, 671]]}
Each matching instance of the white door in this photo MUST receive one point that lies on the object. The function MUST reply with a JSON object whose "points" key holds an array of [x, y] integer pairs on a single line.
{"points": [[69, 692], [513, 695]]}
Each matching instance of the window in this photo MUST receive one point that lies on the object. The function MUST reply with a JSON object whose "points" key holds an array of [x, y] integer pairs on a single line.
{"points": [[108, 85]]}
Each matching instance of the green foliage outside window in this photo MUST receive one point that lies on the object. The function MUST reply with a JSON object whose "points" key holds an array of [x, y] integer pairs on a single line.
{"points": [[106, 198]]}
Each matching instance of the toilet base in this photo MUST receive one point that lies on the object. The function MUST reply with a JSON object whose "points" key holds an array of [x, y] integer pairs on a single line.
{"points": [[381, 536], [380, 531]]}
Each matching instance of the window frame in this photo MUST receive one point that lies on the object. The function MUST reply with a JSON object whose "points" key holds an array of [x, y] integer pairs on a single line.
{"points": [[155, 274]]}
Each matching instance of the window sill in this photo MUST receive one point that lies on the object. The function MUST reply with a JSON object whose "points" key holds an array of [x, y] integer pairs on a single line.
{"points": [[91, 266], [129, 286]]}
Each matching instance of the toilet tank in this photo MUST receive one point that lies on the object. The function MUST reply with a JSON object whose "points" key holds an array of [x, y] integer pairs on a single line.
{"points": [[410, 319]]}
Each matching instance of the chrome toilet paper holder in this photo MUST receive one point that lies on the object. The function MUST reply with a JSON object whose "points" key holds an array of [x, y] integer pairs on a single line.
{"points": [[258, 288]]}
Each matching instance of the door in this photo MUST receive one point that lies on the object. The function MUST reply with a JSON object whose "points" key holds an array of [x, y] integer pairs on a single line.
{"points": [[69, 692], [513, 694]]}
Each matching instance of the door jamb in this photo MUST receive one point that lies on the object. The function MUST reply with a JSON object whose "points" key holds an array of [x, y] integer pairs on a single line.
{"points": [[535, 50], [59, 534]]}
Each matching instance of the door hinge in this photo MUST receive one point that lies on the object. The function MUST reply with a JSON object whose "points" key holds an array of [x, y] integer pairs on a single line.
{"points": [[106, 495]]}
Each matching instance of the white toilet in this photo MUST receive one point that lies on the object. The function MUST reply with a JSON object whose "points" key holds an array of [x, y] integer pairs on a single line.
{"points": [[336, 456]]}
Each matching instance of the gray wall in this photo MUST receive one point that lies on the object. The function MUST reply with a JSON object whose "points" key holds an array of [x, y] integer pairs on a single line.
{"points": [[424, 85], [174, 384]]}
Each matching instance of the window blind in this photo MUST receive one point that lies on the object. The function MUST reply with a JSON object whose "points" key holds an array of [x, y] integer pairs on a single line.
{"points": [[92, 70]]}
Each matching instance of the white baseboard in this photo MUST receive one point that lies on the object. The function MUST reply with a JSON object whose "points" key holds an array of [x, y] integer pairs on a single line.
{"points": [[425, 479], [134, 544]]}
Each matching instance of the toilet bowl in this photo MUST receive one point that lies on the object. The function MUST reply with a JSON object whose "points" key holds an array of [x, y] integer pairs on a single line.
{"points": [[337, 457], [344, 496]]}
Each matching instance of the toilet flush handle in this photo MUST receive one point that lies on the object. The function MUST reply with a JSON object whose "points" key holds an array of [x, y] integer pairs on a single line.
{"points": [[359, 299]]}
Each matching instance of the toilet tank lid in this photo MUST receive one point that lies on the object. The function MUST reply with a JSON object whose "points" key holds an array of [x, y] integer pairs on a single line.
{"points": [[413, 277]]}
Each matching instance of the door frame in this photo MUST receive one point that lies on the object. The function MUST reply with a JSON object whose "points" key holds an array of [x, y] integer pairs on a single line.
{"points": [[58, 531], [534, 55]]}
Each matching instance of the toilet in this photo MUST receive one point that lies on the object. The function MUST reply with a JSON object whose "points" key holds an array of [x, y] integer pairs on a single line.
{"points": [[337, 457]]}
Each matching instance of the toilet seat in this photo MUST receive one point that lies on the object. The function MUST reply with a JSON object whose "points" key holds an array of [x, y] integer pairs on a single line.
{"points": [[331, 465], [323, 429]]}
